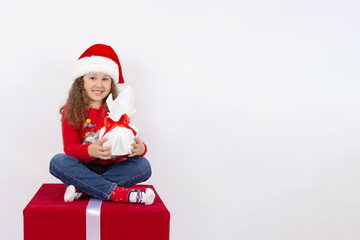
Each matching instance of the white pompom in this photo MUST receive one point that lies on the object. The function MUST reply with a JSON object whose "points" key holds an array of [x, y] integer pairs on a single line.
{"points": [[121, 86]]}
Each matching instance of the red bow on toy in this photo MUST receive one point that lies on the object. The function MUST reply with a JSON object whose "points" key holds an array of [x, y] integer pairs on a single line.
{"points": [[123, 122]]}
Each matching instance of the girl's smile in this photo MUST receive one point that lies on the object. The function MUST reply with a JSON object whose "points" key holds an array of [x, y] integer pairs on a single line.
{"points": [[97, 87], [98, 92]]}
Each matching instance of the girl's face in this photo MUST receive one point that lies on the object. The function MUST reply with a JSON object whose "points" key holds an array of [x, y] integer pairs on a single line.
{"points": [[97, 87]]}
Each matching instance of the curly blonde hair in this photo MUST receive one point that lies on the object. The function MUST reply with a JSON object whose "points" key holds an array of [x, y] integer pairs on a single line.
{"points": [[77, 104]]}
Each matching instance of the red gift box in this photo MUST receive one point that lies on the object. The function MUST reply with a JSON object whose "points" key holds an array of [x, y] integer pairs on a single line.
{"points": [[47, 216]]}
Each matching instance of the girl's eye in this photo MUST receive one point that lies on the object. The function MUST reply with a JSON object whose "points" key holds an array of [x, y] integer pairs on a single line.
{"points": [[105, 79], [92, 78]]}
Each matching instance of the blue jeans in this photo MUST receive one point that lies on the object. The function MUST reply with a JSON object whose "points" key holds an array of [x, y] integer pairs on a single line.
{"points": [[99, 180]]}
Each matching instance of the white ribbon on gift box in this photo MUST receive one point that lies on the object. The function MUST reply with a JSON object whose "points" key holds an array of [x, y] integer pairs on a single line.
{"points": [[93, 228]]}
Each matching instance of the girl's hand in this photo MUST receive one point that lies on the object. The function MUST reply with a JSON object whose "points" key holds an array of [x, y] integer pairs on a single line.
{"points": [[96, 149], [138, 147]]}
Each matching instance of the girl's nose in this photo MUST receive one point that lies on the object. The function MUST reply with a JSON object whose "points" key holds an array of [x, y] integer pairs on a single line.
{"points": [[99, 83]]}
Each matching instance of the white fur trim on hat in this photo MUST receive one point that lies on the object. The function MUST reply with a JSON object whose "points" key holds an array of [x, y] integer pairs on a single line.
{"points": [[96, 64]]}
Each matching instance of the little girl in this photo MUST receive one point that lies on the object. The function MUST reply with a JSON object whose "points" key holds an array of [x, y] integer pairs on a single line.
{"points": [[86, 167]]}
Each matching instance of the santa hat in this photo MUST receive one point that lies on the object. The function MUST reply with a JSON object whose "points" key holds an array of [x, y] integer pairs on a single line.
{"points": [[99, 58]]}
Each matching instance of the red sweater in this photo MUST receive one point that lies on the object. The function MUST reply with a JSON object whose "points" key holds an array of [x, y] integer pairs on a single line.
{"points": [[77, 141]]}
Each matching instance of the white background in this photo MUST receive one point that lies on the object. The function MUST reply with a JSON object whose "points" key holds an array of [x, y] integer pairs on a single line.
{"points": [[250, 109]]}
